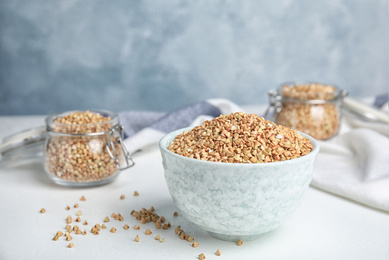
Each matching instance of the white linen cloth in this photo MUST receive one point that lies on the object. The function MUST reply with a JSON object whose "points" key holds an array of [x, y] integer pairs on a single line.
{"points": [[354, 164]]}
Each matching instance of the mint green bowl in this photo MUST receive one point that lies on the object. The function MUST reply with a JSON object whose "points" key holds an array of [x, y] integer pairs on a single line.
{"points": [[236, 201]]}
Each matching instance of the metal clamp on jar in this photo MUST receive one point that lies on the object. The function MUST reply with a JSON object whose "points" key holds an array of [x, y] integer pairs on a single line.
{"points": [[312, 108], [80, 148]]}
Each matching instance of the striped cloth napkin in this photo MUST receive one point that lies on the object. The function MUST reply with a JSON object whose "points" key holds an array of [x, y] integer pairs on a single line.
{"points": [[147, 128]]}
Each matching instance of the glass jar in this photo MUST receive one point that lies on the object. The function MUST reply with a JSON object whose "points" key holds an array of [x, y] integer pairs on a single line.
{"points": [[85, 154], [312, 108]]}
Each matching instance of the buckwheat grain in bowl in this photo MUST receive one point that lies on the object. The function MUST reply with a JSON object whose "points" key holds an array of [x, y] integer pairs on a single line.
{"points": [[241, 138], [238, 176]]}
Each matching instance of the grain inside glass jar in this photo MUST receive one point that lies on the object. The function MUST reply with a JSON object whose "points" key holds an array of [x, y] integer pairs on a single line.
{"points": [[77, 150], [311, 108]]}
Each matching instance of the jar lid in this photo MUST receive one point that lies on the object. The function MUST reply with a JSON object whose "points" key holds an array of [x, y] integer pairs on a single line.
{"points": [[28, 144]]}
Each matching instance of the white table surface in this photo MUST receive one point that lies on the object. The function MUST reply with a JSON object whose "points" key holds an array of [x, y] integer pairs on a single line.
{"points": [[324, 226]]}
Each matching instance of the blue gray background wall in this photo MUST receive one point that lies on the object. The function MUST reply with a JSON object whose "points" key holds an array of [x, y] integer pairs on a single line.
{"points": [[159, 55]]}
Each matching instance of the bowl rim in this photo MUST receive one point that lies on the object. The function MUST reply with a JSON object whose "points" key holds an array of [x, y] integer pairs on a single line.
{"points": [[173, 134]]}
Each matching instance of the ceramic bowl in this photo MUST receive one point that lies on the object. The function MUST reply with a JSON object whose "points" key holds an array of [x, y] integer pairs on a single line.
{"points": [[235, 200]]}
